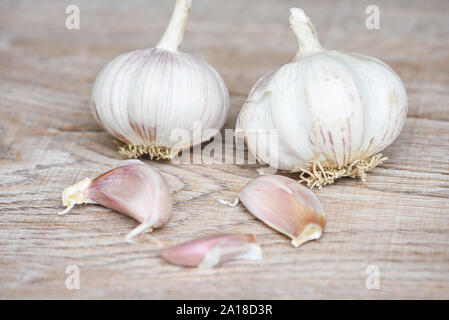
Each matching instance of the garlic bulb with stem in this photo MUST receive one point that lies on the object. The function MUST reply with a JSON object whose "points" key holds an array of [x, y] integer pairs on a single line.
{"points": [[286, 206], [144, 97], [132, 188], [333, 112]]}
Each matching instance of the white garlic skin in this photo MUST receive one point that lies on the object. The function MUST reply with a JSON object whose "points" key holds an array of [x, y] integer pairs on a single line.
{"points": [[141, 97], [329, 106]]}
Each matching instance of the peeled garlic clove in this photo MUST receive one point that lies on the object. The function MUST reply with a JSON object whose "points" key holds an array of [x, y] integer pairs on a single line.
{"points": [[209, 251], [159, 101], [333, 112], [132, 188], [285, 206]]}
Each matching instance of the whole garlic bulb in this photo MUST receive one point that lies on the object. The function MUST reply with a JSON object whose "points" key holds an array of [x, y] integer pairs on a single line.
{"points": [[333, 111], [142, 97]]}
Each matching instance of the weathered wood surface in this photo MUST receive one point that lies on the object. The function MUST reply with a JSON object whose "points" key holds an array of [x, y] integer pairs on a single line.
{"points": [[398, 220]]}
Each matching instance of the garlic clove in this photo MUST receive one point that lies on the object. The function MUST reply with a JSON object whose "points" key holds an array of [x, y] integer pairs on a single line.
{"points": [[285, 206], [209, 251], [132, 188]]}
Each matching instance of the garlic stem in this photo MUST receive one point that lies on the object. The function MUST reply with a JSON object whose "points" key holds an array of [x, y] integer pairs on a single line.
{"points": [[172, 38], [305, 33], [143, 227]]}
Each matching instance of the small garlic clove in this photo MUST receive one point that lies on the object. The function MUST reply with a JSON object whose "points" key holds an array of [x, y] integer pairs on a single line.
{"points": [[285, 206], [209, 251], [132, 188]]}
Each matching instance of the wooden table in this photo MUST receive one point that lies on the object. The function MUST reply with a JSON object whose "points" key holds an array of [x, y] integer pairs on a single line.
{"points": [[397, 221]]}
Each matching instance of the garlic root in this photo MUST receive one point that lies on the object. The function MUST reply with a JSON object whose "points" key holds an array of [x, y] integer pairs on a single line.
{"points": [[319, 175], [154, 151]]}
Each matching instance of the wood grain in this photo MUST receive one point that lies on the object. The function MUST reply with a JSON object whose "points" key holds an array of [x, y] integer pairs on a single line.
{"points": [[398, 220]]}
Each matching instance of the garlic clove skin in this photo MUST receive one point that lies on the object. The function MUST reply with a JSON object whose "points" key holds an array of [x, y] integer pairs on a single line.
{"points": [[286, 206], [208, 252], [148, 98], [132, 188], [334, 111]]}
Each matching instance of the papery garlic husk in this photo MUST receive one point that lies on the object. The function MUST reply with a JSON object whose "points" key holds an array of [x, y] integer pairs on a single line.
{"points": [[132, 188], [149, 98], [334, 112], [286, 206], [209, 251]]}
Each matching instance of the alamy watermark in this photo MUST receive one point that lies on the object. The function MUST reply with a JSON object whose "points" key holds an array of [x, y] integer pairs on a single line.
{"points": [[72, 22], [372, 21], [72, 282], [372, 281], [225, 147]]}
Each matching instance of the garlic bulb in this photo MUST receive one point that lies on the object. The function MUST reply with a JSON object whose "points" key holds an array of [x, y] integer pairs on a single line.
{"points": [[333, 111], [286, 206], [209, 251], [142, 97], [132, 188]]}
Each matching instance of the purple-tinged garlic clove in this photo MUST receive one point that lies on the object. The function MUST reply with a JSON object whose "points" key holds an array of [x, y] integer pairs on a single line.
{"points": [[132, 188], [286, 206], [209, 251]]}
